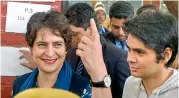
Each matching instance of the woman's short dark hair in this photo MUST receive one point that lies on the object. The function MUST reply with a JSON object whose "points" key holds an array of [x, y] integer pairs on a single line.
{"points": [[53, 20]]}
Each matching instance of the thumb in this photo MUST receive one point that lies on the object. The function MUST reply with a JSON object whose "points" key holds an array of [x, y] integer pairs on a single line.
{"points": [[94, 30]]}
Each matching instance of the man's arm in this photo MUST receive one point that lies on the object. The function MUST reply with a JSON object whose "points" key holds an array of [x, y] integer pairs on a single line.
{"points": [[90, 51]]}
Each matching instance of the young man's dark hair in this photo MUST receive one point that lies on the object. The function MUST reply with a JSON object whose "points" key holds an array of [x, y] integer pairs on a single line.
{"points": [[80, 14], [121, 9], [157, 32], [147, 7]]}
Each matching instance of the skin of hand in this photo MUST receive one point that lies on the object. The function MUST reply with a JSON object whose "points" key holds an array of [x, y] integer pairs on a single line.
{"points": [[90, 51], [28, 56]]}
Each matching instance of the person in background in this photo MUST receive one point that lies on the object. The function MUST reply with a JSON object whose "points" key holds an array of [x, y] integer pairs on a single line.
{"points": [[146, 7], [101, 16], [119, 12], [49, 37], [153, 46]]}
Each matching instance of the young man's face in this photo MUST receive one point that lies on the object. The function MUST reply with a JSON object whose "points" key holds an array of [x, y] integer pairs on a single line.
{"points": [[142, 60], [116, 28], [78, 33]]}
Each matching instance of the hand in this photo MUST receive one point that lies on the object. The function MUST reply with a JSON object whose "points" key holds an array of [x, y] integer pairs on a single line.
{"points": [[90, 51], [27, 55]]}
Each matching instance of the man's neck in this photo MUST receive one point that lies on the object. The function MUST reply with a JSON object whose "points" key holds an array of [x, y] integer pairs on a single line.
{"points": [[156, 80], [47, 80]]}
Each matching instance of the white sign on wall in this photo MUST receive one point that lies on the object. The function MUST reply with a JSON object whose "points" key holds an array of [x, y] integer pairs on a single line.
{"points": [[18, 15]]}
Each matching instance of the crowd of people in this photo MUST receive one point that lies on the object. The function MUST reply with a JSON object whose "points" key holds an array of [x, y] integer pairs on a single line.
{"points": [[74, 51]]}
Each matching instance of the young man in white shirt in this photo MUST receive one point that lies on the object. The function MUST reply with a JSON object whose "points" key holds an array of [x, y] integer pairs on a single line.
{"points": [[153, 46]]}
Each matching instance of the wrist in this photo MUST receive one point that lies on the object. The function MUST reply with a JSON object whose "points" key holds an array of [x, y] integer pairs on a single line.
{"points": [[99, 73], [98, 77]]}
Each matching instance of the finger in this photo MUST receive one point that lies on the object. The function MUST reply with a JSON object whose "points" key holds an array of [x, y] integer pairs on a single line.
{"points": [[26, 52], [82, 47], [27, 65], [79, 53], [94, 30], [22, 56], [85, 40]]}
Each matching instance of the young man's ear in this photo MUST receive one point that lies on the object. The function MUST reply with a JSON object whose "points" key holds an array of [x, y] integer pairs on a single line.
{"points": [[167, 54]]}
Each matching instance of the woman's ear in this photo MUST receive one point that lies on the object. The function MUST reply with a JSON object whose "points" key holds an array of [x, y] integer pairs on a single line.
{"points": [[167, 54]]}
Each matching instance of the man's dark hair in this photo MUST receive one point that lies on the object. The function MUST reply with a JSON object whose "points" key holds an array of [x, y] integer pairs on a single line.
{"points": [[53, 20], [146, 7], [121, 9], [80, 14], [157, 30]]}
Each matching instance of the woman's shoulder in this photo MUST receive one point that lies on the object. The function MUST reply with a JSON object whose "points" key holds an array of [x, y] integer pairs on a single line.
{"points": [[18, 83], [21, 78]]}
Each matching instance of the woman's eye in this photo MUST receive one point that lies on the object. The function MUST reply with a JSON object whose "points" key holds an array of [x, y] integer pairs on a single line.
{"points": [[41, 45], [58, 45]]}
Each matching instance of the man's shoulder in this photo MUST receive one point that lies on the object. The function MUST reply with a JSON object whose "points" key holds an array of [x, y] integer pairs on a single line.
{"points": [[131, 87], [109, 36], [109, 33], [133, 81], [112, 49]]}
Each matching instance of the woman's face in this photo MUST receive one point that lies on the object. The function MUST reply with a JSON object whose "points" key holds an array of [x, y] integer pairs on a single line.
{"points": [[48, 50]]}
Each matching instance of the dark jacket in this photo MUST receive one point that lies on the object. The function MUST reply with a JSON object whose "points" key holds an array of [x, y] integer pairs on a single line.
{"points": [[78, 83], [110, 37], [116, 63]]}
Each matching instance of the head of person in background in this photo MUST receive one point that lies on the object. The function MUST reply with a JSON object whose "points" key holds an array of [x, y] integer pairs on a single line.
{"points": [[152, 35], [79, 16], [48, 36], [101, 16], [146, 7], [119, 12]]}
